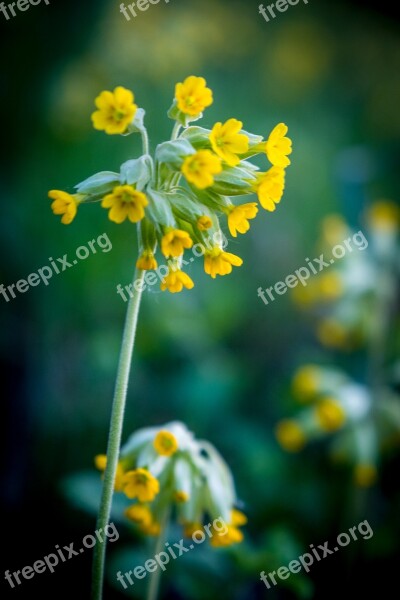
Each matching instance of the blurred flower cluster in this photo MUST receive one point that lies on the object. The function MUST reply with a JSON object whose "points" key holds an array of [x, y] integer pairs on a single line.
{"points": [[178, 197], [166, 469], [354, 307]]}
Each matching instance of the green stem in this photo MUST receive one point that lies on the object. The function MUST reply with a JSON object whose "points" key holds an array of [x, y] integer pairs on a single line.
{"points": [[155, 575], [115, 432], [145, 141], [175, 131]]}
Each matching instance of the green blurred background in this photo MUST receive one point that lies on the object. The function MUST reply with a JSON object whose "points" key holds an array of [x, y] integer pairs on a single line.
{"points": [[216, 358]]}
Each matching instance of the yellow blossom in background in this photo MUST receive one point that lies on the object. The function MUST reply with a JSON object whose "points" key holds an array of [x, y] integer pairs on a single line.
{"points": [[100, 462], [331, 333], [330, 286], [146, 261], [227, 142], [125, 202], [238, 217], [330, 414], [278, 147], [200, 168], [175, 281], [384, 216], [190, 528], [193, 95], [140, 484], [270, 188], [233, 535], [305, 382], [218, 262], [153, 528], [290, 435], [174, 242], [165, 443], [204, 223], [365, 475], [139, 513], [181, 496], [64, 204], [116, 111]]}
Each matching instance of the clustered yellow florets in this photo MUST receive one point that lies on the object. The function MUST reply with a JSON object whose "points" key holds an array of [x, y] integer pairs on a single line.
{"points": [[178, 196]]}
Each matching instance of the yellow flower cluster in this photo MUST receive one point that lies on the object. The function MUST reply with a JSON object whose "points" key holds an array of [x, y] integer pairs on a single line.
{"points": [[178, 196], [164, 468]]}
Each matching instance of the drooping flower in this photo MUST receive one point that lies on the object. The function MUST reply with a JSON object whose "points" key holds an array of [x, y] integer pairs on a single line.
{"points": [[140, 514], [218, 262], [140, 484], [204, 222], [146, 261], [305, 382], [238, 217], [64, 204], [233, 535], [116, 111], [125, 202], [180, 496], [270, 188], [200, 168], [278, 146], [227, 142], [290, 435], [384, 216], [330, 414], [193, 96], [365, 474], [174, 242], [175, 281], [165, 443], [100, 462]]}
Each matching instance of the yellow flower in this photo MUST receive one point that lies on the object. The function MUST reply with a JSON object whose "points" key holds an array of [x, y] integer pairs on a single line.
{"points": [[238, 217], [115, 111], [100, 462], [218, 262], [125, 202], [233, 535], [146, 261], [290, 435], [190, 528], [333, 334], [64, 204], [193, 96], [139, 513], [165, 443], [330, 414], [140, 484], [365, 475], [181, 496], [175, 281], [278, 146], [153, 528], [305, 382], [200, 168], [227, 142], [384, 216], [270, 188], [330, 286], [174, 242], [204, 223]]}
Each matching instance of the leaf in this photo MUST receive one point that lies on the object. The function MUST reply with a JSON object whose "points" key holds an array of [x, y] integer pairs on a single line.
{"points": [[159, 208], [137, 171], [173, 152], [100, 183]]}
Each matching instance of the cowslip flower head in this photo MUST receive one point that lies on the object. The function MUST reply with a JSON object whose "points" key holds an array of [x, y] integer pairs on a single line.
{"points": [[232, 535], [270, 188], [125, 202], [193, 96], [238, 217], [140, 484], [227, 142], [140, 514], [278, 147], [330, 414], [116, 110], [218, 262], [175, 281], [201, 167], [290, 435], [174, 242], [64, 204], [203, 223]]}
